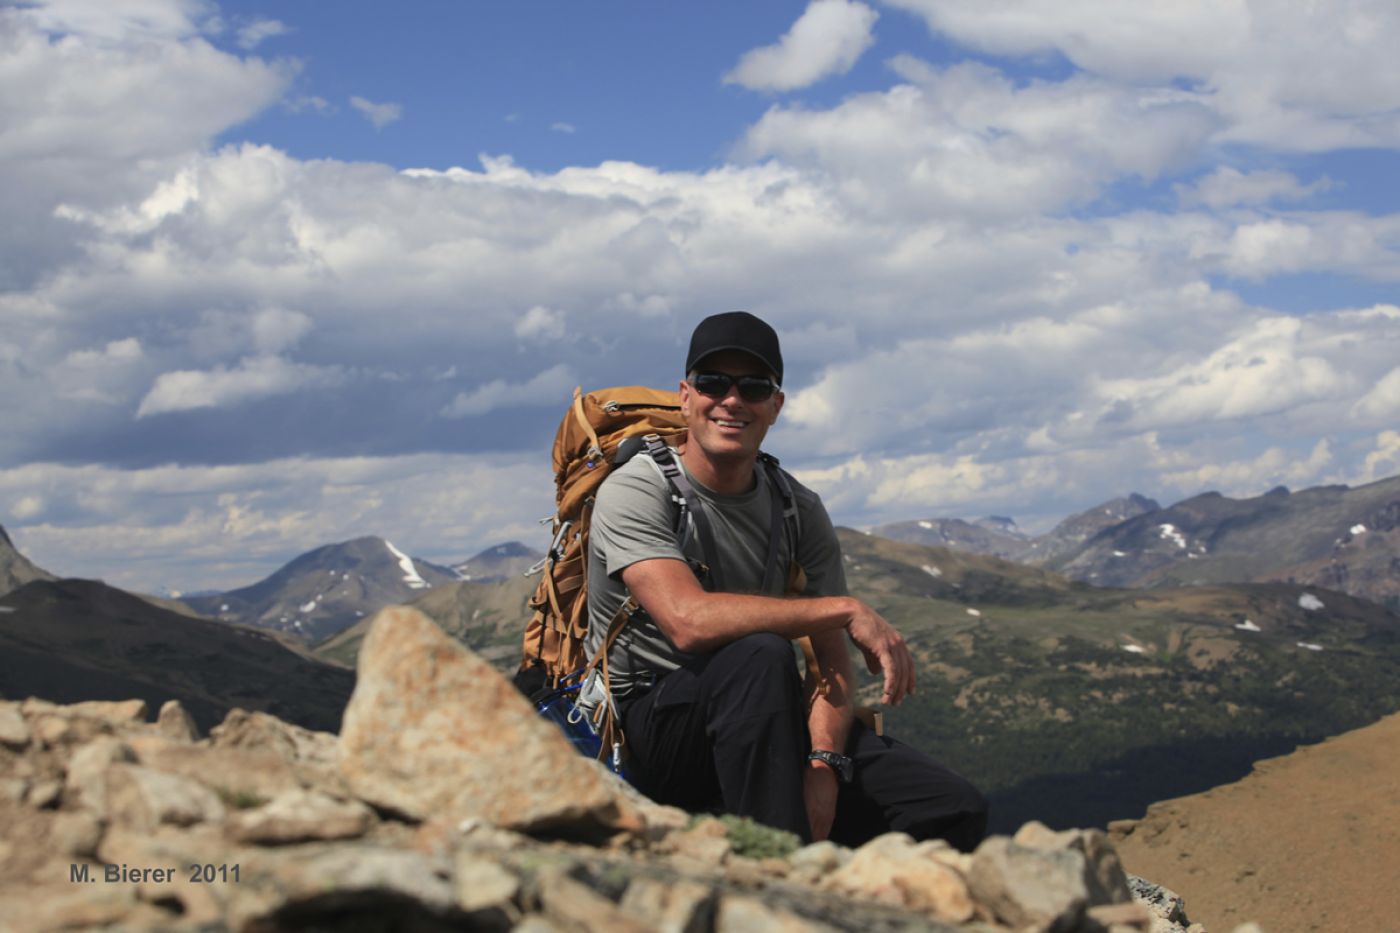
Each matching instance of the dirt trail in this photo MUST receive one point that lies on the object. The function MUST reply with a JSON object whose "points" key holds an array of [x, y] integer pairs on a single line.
{"points": [[1309, 841]]}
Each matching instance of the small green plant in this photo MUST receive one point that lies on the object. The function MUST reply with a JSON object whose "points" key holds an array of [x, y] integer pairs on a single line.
{"points": [[240, 799], [754, 840]]}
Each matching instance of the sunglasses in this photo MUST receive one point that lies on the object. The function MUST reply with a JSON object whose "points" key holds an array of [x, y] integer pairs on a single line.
{"points": [[751, 388]]}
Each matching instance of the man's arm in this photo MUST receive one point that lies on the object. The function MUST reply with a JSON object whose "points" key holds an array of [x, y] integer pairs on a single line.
{"points": [[699, 621], [829, 723]]}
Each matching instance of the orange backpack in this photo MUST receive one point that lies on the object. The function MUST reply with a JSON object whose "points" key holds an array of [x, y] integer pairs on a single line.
{"points": [[585, 451]]}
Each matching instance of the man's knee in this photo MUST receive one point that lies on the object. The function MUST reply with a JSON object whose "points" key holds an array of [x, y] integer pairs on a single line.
{"points": [[755, 674], [762, 651]]}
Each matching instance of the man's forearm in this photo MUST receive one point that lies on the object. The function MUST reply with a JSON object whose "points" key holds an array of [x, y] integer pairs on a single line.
{"points": [[829, 720], [710, 620]]}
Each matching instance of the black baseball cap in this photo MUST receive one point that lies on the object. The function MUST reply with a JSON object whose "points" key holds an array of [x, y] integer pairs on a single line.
{"points": [[736, 330]]}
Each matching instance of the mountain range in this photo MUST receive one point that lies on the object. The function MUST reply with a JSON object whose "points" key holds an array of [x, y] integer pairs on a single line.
{"points": [[319, 594], [1068, 702], [1339, 537]]}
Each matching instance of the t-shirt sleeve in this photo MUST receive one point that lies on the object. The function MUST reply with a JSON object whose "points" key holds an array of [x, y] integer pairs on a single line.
{"points": [[818, 550], [633, 520]]}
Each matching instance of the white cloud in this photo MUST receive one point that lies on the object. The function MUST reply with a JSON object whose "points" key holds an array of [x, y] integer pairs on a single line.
{"points": [[828, 38], [253, 34], [379, 115], [309, 102], [1383, 460], [967, 141], [253, 378], [539, 324], [562, 127], [551, 387], [1381, 403], [197, 527], [1229, 187], [1294, 76]]}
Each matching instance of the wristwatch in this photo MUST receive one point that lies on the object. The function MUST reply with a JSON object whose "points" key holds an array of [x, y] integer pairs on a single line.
{"points": [[845, 768]]}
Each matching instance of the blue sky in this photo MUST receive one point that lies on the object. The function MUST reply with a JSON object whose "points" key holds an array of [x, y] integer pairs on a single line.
{"points": [[284, 274]]}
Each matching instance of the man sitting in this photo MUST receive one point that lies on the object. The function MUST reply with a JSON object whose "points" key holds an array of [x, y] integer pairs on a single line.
{"points": [[705, 677]]}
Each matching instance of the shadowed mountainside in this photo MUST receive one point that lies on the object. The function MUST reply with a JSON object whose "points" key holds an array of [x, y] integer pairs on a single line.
{"points": [[73, 640]]}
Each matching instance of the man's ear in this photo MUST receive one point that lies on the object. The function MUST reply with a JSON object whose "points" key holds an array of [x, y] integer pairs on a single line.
{"points": [[778, 398], [684, 392]]}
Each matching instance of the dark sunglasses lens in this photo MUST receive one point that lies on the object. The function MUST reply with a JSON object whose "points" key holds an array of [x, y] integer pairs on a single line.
{"points": [[755, 389], [715, 385], [751, 388]]}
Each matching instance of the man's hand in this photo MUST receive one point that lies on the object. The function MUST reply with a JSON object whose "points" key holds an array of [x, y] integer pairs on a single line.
{"points": [[819, 790], [884, 650]]}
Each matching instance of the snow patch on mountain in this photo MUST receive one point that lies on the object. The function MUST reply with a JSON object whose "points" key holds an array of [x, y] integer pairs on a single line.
{"points": [[410, 572], [1248, 626], [1358, 529], [1309, 602], [1169, 533], [932, 571]]}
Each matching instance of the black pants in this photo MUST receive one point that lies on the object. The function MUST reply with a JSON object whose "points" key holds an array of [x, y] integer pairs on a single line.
{"points": [[728, 732]]}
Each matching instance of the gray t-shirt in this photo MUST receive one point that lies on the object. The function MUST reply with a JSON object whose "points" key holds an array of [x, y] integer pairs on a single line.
{"points": [[634, 519]]}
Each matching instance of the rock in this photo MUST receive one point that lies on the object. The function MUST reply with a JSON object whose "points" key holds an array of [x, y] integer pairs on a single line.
{"points": [[300, 816], [76, 833], [895, 870], [483, 885], [1122, 918], [242, 777], [573, 905], [682, 907], [1163, 902], [432, 729], [43, 794], [704, 846], [320, 885], [258, 730], [144, 798], [1048, 879], [743, 914], [14, 731], [1107, 882], [175, 723], [116, 712], [812, 863], [86, 782]]}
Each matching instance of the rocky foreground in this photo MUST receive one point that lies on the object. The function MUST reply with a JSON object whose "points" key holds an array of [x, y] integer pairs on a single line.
{"points": [[446, 803]]}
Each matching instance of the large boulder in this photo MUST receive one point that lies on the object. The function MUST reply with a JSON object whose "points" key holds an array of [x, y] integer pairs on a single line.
{"points": [[432, 731]]}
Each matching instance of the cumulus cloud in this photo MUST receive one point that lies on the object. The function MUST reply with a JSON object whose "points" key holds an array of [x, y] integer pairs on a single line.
{"points": [[828, 38], [1293, 76], [551, 387], [253, 378], [379, 115], [968, 141], [1229, 187], [976, 318], [253, 34], [193, 527], [540, 323]]}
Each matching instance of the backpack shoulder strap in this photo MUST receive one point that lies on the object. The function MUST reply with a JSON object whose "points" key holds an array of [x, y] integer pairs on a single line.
{"points": [[784, 517], [692, 511]]}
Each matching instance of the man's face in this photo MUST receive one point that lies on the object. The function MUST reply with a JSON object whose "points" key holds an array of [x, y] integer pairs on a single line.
{"points": [[729, 427]]}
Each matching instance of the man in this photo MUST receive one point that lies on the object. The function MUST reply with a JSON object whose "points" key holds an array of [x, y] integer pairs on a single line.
{"points": [[705, 676]]}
